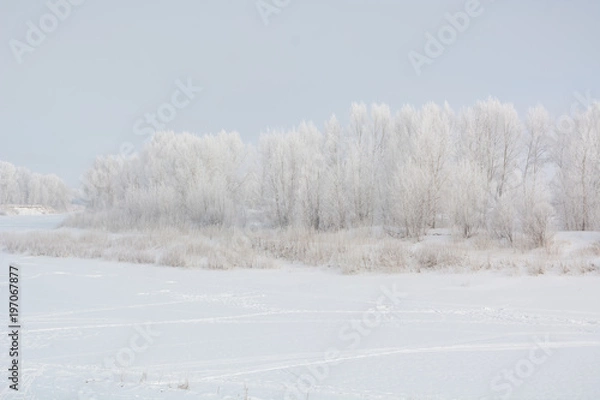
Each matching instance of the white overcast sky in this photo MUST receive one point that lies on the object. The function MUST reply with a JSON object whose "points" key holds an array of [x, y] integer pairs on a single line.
{"points": [[79, 93]]}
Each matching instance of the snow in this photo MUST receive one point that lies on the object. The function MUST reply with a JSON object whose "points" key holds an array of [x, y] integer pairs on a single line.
{"points": [[6, 209], [23, 223], [104, 330]]}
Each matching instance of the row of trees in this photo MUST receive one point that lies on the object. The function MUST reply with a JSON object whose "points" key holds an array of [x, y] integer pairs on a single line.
{"points": [[19, 186], [175, 180], [480, 169]]}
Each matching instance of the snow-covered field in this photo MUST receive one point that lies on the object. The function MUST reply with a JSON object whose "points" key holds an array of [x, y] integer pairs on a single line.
{"points": [[104, 330]]}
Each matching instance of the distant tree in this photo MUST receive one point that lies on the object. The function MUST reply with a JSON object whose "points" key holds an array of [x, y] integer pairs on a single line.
{"points": [[9, 187], [176, 180], [311, 177], [101, 182], [281, 175], [409, 194], [335, 189], [19, 186], [431, 151], [361, 169], [536, 211], [468, 197], [578, 175], [491, 138]]}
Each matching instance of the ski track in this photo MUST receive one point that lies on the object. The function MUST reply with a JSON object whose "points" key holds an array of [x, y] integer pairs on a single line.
{"points": [[315, 358], [486, 315]]}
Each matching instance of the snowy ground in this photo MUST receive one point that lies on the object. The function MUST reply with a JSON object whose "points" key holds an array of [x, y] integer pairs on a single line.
{"points": [[102, 330], [13, 210]]}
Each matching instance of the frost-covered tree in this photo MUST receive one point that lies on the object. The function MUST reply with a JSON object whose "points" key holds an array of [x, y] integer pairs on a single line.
{"points": [[536, 211], [381, 132], [176, 179], [468, 197], [490, 138], [422, 168], [361, 170], [371, 145], [491, 134], [101, 182], [578, 175], [409, 194], [335, 193], [19, 186], [281, 167], [431, 151], [294, 177], [9, 186]]}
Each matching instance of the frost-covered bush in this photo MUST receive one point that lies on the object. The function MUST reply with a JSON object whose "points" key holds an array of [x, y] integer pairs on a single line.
{"points": [[434, 256], [176, 181]]}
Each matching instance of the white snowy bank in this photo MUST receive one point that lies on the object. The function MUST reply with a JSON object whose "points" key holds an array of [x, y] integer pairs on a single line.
{"points": [[351, 251]]}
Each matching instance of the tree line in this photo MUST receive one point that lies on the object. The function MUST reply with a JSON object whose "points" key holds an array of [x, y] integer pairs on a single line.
{"points": [[480, 169], [20, 186]]}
